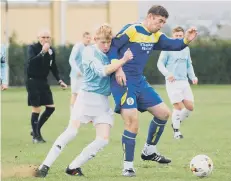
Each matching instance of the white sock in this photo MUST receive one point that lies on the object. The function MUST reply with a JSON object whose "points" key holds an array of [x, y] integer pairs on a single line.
{"points": [[149, 149], [68, 135], [88, 152], [128, 165], [184, 114], [176, 119]]}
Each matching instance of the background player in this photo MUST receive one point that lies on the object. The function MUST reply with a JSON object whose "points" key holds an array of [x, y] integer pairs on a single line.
{"points": [[176, 66], [76, 67]]}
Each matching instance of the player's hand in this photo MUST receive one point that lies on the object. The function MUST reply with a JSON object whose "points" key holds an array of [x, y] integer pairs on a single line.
{"points": [[171, 78], [46, 47], [191, 34], [62, 84], [128, 55], [4, 87], [120, 77], [195, 81]]}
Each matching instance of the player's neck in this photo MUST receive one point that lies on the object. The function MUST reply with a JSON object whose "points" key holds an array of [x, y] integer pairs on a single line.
{"points": [[145, 25]]}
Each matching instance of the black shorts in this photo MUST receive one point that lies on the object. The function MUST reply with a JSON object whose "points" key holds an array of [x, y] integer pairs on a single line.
{"points": [[39, 93]]}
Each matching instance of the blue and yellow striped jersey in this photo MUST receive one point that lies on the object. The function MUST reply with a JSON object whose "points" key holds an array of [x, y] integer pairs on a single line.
{"points": [[141, 42]]}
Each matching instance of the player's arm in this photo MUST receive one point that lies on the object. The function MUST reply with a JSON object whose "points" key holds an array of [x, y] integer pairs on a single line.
{"points": [[190, 70], [72, 58], [32, 56], [163, 58], [92, 66], [169, 44]]}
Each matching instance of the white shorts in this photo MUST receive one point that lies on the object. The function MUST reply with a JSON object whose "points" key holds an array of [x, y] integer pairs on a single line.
{"points": [[178, 91], [93, 107], [76, 84]]}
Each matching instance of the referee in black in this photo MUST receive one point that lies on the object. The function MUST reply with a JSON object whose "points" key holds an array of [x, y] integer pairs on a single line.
{"points": [[41, 59]]}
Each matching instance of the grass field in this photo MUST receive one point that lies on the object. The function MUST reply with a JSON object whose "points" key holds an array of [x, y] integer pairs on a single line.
{"points": [[207, 131]]}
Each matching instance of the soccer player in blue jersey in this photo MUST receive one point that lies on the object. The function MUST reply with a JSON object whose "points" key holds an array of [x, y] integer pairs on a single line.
{"points": [[176, 66], [92, 103], [3, 68], [131, 91], [76, 65]]}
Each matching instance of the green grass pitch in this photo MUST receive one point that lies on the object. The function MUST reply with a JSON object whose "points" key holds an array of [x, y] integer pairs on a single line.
{"points": [[206, 131]]}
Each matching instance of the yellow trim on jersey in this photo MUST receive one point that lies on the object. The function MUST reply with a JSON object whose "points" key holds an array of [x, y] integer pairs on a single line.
{"points": [[186, 41], [130, 31], [114, 60], [136, 37], [141, 38]]}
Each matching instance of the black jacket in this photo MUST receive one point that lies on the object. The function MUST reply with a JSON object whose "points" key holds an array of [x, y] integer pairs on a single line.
{"points": [[39, 66]]}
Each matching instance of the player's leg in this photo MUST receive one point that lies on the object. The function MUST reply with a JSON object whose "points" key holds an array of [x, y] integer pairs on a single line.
{"points": [[74, 91], [126, 105], [176, 121], [34, 122], [188, 103], [131, 126], [149, 100], [49, 109], [89, 152], [68, 135], [175, 93], [34, 95], [47, 100]]}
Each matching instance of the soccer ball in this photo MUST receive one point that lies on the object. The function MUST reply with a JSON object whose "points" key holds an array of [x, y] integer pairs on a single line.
{"points": [[201, 166]]}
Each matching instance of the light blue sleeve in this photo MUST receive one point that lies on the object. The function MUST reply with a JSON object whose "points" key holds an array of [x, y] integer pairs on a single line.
{"points": [[190, 70], [3, 65], [92, 66], [72, 59], [162, 61]]}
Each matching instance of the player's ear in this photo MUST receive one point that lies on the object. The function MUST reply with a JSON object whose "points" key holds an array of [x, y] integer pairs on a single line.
{"points": [[150, 16]]}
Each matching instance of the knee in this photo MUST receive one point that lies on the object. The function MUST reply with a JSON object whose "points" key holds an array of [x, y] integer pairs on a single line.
{"points": [[190, 107], [36, 109], [131, 124], [165, 114]]}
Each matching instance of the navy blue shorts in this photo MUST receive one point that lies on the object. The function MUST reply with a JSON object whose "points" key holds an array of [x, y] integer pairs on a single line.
{"points": [[136, 94]]}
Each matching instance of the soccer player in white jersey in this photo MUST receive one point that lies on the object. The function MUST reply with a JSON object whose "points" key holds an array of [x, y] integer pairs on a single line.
{"points": [[176, 66], [76, 65], [92, 103]]}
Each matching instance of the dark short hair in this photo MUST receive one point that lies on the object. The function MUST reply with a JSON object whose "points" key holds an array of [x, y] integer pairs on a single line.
{"points": [[158, 10], [86, 33], [178, 29]]}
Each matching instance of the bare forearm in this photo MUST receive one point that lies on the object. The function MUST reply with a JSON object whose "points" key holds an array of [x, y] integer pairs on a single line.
{"points": [[114, 66]]}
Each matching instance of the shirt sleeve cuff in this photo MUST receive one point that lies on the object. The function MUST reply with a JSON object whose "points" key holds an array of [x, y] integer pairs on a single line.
{"points": [[186, 41]]}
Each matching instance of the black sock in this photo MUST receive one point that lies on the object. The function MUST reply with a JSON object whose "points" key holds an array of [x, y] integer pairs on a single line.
{"points": [[34, 122], [44, 117]]}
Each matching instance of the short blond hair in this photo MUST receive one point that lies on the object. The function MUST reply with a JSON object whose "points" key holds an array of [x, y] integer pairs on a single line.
{"points": [[178, 29], [104, 31]]}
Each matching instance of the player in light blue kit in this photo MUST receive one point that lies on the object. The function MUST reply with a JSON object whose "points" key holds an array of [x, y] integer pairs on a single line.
{"points": [[75, 62], [176, 66], [3, 68], [92, 103]]}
